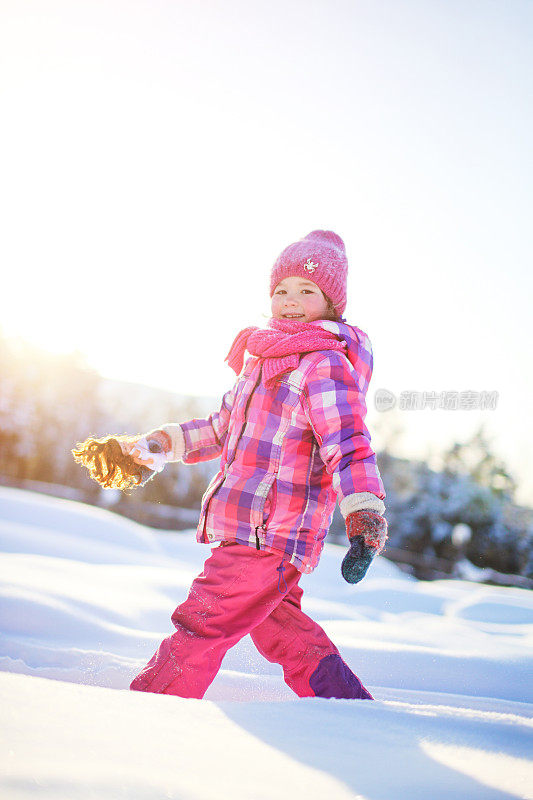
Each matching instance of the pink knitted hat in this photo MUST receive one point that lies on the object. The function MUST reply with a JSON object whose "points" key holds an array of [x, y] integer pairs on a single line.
{"points": [[320, 257]]}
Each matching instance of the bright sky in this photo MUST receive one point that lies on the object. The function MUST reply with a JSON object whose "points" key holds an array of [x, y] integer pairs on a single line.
{"points": [[157, 156]]}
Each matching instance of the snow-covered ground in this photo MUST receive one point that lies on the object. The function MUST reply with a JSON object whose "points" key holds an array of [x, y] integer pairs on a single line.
{"points": [[87, 596]]}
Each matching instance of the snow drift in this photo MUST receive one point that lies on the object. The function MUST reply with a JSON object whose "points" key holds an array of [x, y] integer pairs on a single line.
{"points": [[86, 597]]}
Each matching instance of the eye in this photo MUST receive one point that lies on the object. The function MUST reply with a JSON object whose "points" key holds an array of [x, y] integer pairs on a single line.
{"points": [[279, 291]]}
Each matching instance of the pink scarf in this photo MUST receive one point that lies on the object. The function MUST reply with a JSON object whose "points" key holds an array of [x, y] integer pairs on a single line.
{"points": [[280, 346]]}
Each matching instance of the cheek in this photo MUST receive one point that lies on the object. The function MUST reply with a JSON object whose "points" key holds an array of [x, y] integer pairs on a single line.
{"points": [[317, 306], [314, 301]]}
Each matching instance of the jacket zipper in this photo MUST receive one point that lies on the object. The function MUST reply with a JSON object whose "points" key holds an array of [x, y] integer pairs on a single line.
{"points": [[257, 542], [228, 463], [248, 401]]}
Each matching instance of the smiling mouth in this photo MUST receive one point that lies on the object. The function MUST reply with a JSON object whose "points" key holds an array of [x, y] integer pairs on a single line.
{"points": [[292, 316]]}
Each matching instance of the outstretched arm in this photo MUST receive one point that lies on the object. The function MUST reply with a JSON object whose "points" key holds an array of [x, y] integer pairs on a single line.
{"points": [[190, 442], [201, 439]]}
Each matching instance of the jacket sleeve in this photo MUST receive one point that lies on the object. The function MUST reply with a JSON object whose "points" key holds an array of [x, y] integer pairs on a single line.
{"points": [[336, 409], [201, 439]]}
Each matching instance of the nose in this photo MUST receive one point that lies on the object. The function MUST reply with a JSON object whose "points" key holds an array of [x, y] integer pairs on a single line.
{"points": [[289, 300]]}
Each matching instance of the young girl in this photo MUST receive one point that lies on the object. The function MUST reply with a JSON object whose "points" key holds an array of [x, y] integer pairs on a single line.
{"points": [[292, 440]]}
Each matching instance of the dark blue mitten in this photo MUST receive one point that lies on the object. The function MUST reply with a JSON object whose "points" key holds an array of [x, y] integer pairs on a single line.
{"points": [[367, 532]]}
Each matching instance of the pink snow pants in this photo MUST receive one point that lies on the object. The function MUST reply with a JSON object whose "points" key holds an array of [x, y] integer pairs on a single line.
{"points": [[240, 591]]}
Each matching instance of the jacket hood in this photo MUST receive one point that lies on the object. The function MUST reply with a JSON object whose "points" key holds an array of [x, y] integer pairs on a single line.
{"points": [[359, 348]]}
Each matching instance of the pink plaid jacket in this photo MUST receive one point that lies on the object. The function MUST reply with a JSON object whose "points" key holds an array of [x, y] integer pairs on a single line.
{"points": [[289, 452]]}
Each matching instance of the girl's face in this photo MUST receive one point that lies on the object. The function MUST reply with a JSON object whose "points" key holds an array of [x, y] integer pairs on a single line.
{"points": [[299, 299]]}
